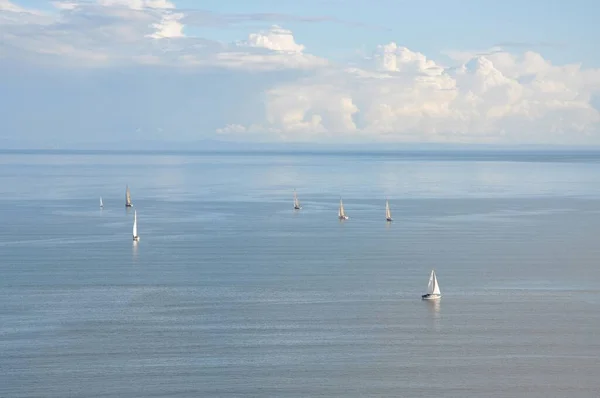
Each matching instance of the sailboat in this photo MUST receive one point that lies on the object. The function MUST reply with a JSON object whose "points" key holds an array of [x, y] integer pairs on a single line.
{"points": [[388, 213], [101, 202], [135, 232], [296, 201], [127, 197], [341, 213], [433, 289]]}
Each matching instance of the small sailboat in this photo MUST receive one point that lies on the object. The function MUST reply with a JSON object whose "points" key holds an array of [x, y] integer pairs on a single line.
{"points": [[136, 237], [341, 213], [296, 201], [388, 212], [127, 197], [101, 202], [433, 289]]}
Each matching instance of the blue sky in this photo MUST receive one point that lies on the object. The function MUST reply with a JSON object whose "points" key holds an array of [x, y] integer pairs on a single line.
{"points": [[511, 72], [566, 30]]}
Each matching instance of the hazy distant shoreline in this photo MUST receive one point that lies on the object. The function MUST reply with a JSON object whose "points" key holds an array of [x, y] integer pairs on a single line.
{"points": [[448, 153]]}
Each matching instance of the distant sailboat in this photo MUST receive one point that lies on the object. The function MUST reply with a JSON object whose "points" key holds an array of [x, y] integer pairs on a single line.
{"points": [[127, 197], [296, 201], [341, 213], [388, 213], [135, 231], [101, 202], [433, 289]]}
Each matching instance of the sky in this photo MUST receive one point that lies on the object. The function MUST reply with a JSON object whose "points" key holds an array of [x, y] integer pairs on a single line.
{"points": [[128, 72]]}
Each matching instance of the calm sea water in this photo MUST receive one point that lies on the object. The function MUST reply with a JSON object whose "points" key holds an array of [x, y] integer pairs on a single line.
{"points": [[231, 293]]}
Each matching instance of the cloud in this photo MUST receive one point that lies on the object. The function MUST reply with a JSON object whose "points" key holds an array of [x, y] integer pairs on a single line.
{"points": [[393, 58], [95, 34], [6, 5], [168, 27], [109, 33], [11, 14], [270, 86], [499, 97], [276, 39]]}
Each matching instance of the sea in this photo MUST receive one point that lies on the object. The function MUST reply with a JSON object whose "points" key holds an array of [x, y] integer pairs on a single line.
{"points": [[232, 293]]}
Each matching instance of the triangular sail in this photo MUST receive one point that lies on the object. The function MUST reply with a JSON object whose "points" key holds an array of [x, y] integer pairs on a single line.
{"points": [[436, 286], [341, 211], [432, 286], [388, 213], [135, 232], [101, 203], [296, 201], [127, 197]]}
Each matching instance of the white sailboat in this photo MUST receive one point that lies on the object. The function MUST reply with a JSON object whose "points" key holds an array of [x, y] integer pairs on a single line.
{"points": [[341, 213], [296, 201], [127, 197], [388, 212], [433, 288], [135, 231], [101, 202]]}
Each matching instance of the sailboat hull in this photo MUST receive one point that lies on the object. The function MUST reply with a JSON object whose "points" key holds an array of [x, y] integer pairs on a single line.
{"points": [[343, 217], [389, 219], [136, 238], [297, 207], [431, 296]]}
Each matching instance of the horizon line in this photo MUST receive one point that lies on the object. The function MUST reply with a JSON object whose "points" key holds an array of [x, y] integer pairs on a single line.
{"points": [[313, 150]]}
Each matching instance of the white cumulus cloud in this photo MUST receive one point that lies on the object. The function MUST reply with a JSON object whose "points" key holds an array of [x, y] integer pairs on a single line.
{"points": [[500, 97], [276, 39], [393, 58], [168, 27]]}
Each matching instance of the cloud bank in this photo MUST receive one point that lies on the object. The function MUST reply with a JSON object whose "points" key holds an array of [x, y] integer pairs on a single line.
{"points": [[268, 86]]}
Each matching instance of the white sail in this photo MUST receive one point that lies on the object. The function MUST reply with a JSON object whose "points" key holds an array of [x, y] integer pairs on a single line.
{"points": [[101, 203], [388, 213], [436, 286], [341, 212], [135, 231], [127, 197], [296, 201], [432, 286]]}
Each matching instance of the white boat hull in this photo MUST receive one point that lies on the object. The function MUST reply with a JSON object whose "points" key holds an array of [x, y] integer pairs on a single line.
{"points": [[343, 217], [431, 296]]}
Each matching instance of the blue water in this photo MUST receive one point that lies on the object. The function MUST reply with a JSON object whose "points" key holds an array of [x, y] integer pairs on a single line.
{"points": [[231, 293]]}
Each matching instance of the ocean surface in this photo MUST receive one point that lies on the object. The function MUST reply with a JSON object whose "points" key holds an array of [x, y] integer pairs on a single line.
{"points": [[230, 292]]}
